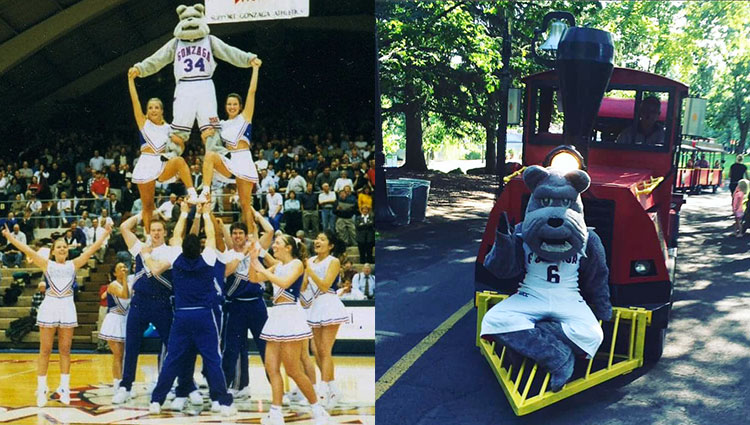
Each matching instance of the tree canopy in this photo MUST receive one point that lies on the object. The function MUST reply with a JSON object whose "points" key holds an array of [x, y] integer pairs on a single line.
{"points": [[441, 62]]}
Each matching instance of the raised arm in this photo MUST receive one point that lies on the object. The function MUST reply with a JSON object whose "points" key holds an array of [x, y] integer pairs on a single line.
{"points": [[267, 239], [326, 281], [126, 229], [221, 234], [82, 259], [140, 117], [30, 253], [247, 113], [161, 58], [156, 267], [209, 226], [179, 229], [119, 290]]}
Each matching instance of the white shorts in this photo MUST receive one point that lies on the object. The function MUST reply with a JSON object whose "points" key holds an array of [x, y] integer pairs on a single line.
{"points": [[148, 168], [194, 100], [286, 322], [327, 309], [113, 327], [240, 164], [522, 310], [57, 313]]}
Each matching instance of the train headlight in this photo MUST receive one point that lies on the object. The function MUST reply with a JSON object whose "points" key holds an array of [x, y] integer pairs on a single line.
{"points": [[565, 158], [640, 268]]}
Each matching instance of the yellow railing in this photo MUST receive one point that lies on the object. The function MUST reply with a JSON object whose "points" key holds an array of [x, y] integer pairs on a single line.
{"points": [[646, 187], [509, 177], [607, 364]]}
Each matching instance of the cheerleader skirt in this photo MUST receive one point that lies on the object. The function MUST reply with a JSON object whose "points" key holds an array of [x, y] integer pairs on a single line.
{"points": [[57, 313], [286, 322], [113, 327], [326, 310]]}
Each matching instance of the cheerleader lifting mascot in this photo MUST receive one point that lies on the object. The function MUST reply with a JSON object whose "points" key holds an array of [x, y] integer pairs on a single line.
{"points": [[563, 272]]}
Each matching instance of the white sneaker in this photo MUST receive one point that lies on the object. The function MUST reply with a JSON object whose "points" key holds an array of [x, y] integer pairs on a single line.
{"points": [[64, 394], [178, 403], [203, 197], [333, 400], [154, 408], [215, 407], [227, 411], [41, 396], [196, 397], [192, 199], [294, 396], [171, 394], [121, 396], [243, 393], [320, 416], [273, 418]]}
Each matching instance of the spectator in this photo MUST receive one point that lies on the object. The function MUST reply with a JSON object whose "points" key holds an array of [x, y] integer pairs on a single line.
{"points": [[365, 197], [266, 181], [344, 211], [309, 243], [116, 179], [65, 208], [34, 186], [129, 195], [105, 219], [97, 233], [99, 190], [11, 256], [4, 185], [167, 207], [18, 206], [262, 163], [63, 183], [9, 221], [25, 172], [326, 202], [96, 162], [275, 207], [370, 172], [737, 171], [74, 248], [296, 183], [359, 180], [349, 292], [137, 207], [283, 181], [310, 217], [365, 228], [647, 131], [292, 213], [113, 208], [342, 182], [324, 178], [365, 281], [14, 189], [78, 234]]}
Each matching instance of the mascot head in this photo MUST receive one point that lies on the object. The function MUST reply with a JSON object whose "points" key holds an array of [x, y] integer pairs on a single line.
{"points": [[192, 25], [553, 227]]}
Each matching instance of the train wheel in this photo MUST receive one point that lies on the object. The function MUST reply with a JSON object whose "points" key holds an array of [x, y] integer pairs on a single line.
{"points": [[654, 344]]}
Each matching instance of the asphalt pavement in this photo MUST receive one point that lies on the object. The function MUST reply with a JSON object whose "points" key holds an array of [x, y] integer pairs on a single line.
{"points": [[702, 377]]}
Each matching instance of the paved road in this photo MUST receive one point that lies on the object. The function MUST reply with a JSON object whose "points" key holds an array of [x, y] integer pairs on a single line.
{"points": [[701, 379]]}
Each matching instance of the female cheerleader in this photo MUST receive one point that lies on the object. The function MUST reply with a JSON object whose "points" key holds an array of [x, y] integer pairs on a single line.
{"points": [[286, 326], [58, 311], [152, 165], [327, 312], [113, 326], [238, 162]]}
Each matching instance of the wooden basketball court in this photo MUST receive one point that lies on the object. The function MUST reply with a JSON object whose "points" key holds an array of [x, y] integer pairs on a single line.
{"points": [[91, 394]]}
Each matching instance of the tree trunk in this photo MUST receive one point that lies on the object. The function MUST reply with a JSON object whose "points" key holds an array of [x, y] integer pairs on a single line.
{"points": [[743, 125], [414, 153], [489, 133]]}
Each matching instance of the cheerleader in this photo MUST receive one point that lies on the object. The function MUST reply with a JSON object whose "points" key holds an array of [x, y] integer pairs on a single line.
{"points": [[238, 161], [327, 312], [287, 326], [195, 327], [58, 311], [152, 165], [113, 326]]}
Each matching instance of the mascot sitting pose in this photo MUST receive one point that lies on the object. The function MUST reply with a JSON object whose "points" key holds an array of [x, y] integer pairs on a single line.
{"points": [[193, 52], [563, 267]]}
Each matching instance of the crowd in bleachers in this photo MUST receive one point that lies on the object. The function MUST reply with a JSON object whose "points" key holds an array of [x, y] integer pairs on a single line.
{"points": [[74, 179]]}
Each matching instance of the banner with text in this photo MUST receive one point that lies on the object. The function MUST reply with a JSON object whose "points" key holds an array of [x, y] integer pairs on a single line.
{"points": [[226, 11]]}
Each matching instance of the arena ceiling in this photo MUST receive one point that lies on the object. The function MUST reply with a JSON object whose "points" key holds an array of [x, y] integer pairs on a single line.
{"points": [[52, 51]]}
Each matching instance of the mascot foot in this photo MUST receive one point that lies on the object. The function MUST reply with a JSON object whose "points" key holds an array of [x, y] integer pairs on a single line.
{"points": [[560, 376]]}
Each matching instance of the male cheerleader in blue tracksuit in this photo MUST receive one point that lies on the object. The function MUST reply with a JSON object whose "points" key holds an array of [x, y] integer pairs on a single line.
{"points": [[150, 302], [195, 326], [245, 309]]}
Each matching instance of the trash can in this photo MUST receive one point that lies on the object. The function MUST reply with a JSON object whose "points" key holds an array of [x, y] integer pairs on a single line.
{"points": [[399, 199], [420, 191]]}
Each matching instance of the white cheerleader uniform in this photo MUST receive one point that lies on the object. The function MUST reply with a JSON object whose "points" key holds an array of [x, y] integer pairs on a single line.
{"points": [[286, 319], [327, 309], [114, 324], [58, 310], [150, 165], [239, 162]]}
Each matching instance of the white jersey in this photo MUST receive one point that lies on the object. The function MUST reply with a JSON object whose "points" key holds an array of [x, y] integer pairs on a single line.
{"points": [[193, 60], [234, 130], [155, 136], [321, 269], [60, 278], [545, 275], [243, 267]]}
